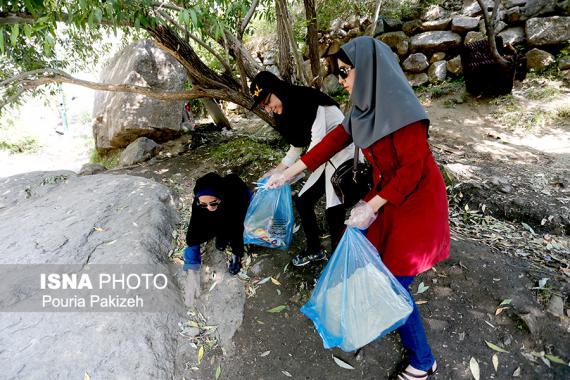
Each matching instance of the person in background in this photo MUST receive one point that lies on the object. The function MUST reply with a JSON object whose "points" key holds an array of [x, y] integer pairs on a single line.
{"points": [[303, 116], [218, 211], [405, 215]]}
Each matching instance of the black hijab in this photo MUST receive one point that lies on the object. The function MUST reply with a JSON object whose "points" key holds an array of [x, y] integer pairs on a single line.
{"points": [[300, 106]]}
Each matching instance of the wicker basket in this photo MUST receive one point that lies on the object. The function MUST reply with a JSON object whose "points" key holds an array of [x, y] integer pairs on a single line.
{"points": [[483, 75]]}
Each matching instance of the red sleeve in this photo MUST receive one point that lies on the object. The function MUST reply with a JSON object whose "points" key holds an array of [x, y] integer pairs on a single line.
{"points": [[411, 149], [333, 142]]}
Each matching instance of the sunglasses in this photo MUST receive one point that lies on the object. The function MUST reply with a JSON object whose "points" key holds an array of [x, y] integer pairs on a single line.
{"points": [[209, 204], [344, 71]]}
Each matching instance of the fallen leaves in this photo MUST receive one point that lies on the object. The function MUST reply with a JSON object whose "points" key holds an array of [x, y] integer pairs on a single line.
{"points": [[341, 363], [286, 373], [277, 309], [218, 372], [495, 360], [495, 347], [200, 354], [264, 354], [474, 367], [422, 288]]}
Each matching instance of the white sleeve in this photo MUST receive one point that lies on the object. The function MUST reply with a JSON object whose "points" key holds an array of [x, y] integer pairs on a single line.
{"points": [[292, 156], [319, 128]]}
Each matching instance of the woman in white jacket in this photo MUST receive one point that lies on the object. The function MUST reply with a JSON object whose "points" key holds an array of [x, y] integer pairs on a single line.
{"points": [[303, 117]]}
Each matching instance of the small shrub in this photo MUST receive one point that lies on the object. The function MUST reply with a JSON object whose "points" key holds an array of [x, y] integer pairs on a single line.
{"points": [[109, 160], [25, 145]]}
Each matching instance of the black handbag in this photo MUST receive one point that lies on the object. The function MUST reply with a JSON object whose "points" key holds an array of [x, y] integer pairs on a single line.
{"points": [[352, 180]]}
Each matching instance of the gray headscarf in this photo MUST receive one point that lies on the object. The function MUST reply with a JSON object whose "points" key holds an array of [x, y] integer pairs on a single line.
{"points": [[383, 101]]}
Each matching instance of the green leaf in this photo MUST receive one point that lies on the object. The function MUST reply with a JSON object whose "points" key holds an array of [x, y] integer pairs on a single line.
{"points": [[277, 309], [194, 17], [14, 34], [495, 347], [28, 30], [506, 302], [555, 359], [2, 47], [218, 372]]}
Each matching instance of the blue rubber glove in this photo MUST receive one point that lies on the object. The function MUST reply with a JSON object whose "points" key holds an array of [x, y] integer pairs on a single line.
{"points": [[192, 258]]}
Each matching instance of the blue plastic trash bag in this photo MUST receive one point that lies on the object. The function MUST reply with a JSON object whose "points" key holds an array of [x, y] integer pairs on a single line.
{"points": [[269, 218], [356, 300]]}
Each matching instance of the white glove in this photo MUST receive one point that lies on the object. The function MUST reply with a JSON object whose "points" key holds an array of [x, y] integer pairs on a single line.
{"points": [[361, 216], [276, 180]]}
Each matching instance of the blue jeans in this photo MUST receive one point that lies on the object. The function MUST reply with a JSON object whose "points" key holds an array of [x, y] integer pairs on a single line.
{"points": [[413, 335]]}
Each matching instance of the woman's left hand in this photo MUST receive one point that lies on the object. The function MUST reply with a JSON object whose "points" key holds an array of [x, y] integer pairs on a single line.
{"points": [[361, 216]]}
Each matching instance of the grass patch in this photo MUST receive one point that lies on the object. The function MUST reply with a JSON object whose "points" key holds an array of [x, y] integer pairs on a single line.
{"points": [[438, 90], [245, 156], [109, 160], [541, 92], [23, 145], [563, 113]]}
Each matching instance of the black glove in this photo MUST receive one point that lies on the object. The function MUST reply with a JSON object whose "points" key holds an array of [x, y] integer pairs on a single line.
{"points": [[235, 265]]}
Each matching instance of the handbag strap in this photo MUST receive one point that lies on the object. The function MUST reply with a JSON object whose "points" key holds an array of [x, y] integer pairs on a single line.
{"points": [[355, 162]]}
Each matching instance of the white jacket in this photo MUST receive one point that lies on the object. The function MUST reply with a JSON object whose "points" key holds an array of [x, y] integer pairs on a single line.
{"points": [[327, 118]]}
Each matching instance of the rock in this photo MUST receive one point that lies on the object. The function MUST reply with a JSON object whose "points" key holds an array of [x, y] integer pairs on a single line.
{"points": [[436, 25], [534, 8], [513, 36], [539, 60], [435, 41], [120, 118], [393, 24], [454, 66], [464, 24], [351, 23], [331, 84], [434, 12], [352, 33], [439, 56], [379, 28], [499, 26], [556, 306], [473, 36], [415, 63], [223, 306], [514, 3], [398, 41], [547, 31], [417, 79], [191, 332], [513, 15], [18, 188], [437, 72], [471, 7], [58, 227], [565, 75], [259, 267], [139, 150], [90, 169], [334, 48], [564, 63], [412, 27]]}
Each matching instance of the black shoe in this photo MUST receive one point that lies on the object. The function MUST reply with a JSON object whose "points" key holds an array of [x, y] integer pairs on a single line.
{"points": [[301, 260], [235, 265]]}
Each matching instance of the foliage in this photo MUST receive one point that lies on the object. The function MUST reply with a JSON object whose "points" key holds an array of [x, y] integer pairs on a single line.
{"points": [[25, 145], [109, 160]]}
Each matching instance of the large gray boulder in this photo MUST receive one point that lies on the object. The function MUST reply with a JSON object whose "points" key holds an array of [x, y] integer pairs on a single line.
{"points": [[513, 36], [437, 72], [548, 31], [415, 63], [464, 24], [398, 41], [83, 224], [121, 118], [435, 41], [539, 60]]}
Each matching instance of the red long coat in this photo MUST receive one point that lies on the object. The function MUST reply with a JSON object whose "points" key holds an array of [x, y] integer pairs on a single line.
{"points": [[411, 231]]}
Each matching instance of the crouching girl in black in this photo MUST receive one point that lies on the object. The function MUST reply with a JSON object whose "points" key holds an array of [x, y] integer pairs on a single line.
{"points": [[218, 211]]}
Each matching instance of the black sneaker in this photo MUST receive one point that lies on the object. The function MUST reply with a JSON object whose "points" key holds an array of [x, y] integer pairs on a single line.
{"points": [[302, 260], [235, 265]]}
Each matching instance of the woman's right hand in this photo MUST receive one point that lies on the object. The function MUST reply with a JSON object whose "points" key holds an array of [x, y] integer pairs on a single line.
{"points": [[276, 180]]}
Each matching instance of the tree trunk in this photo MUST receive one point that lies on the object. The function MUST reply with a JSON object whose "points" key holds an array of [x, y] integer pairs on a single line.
{"points": [[490, 29], [313, 42], [216, 113], [285, 65]]}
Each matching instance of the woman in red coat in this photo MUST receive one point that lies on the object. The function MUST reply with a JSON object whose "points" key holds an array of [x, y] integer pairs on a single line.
{"points": [[406, 213]]}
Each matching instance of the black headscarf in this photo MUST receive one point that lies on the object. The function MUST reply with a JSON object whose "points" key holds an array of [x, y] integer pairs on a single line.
{"points": [[300, 106], [227, 220]]}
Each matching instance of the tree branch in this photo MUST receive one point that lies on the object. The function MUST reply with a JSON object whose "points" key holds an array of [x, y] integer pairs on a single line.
{"points": [[489, 27], [198, 41], [47, 76], [246, 19]]}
